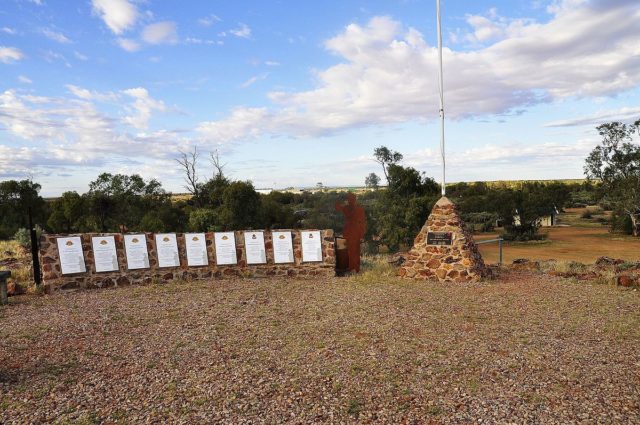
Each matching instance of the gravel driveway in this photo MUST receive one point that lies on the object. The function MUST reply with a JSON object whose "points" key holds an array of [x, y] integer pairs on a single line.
{"points": [[522, 349]]}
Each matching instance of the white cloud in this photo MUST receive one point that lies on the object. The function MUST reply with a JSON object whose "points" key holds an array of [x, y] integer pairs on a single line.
{"points": [[272, 63], [128, 44], [69, 132], [208, 21], [622, 115], [253, 80], [493, 27], [160, 33], [80, 56], [388, 74], [8, 30], [243, 31], [194, 40], [51, 56], [86, 94], [10, 54], [55, 36], [24, 79], [118, 15], [143, 106], [240, 124]]}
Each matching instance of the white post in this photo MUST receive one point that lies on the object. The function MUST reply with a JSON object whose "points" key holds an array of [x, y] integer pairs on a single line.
{"points": [[441, 87]]}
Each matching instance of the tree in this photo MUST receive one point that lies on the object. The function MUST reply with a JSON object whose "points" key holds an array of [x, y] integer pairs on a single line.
{"points": [[117, 199], [240, 207], [616, 163], [188, 162], [218, 166], [16, 199], [400, 211], [372, 181], [386, 157], [67, 213]]}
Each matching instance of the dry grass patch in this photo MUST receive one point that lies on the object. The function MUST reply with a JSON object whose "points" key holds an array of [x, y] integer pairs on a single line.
{"points": [[358, 350]]}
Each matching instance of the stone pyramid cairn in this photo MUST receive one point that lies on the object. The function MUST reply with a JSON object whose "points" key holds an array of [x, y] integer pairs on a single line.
{"points": [[444, 249]]}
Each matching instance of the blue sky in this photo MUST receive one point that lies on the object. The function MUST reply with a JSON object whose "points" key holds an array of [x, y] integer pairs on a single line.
{"points": [[292, 93]]}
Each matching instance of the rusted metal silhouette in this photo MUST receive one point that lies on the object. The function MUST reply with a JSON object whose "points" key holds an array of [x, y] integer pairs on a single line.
{"points": [[355, 226]]}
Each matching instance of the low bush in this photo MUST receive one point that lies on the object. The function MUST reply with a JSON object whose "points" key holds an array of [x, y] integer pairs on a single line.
{"points": [[23, 236], [523, 237]]}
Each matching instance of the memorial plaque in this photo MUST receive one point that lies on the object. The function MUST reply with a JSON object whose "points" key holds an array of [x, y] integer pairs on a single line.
{"points": [[311, 246], [439, 238], [254, 247], [225, 248], [196, 244], [104, 253], [167, 249], [71, 256], [135, 247], [282, 247]]}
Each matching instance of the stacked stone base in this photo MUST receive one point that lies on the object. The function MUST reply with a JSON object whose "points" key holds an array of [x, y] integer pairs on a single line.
{"points": [[459, 262]]}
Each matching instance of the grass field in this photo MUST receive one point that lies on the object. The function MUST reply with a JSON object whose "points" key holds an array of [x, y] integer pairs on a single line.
{"points": [[584, 241], [522, 349]]}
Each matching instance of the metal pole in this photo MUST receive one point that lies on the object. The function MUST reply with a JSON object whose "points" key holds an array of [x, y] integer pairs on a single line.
{"points": [[37, 278], [441, 87], [500, 247]]}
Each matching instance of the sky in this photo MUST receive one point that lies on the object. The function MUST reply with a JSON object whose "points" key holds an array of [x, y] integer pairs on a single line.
{"points": [[292, 93]]}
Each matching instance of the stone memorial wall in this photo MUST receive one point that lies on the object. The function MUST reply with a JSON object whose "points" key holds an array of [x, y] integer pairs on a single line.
{"points": [[97, 250]]}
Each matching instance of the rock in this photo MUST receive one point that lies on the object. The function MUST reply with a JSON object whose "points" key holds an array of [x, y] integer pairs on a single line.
{"points": [[526, 265], [14, 288], [627, 280], [520, 260], [396, 260], [608, 261]]}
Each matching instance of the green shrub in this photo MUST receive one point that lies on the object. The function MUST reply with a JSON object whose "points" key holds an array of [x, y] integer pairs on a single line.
{"points": [[23, 236], [522, 237]]}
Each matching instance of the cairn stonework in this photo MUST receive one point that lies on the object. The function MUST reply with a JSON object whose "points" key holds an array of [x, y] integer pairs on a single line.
{"points": [[450, 254]]}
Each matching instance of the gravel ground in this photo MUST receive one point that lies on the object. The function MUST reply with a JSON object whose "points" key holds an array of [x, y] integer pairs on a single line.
{"points": [[522, 349]]}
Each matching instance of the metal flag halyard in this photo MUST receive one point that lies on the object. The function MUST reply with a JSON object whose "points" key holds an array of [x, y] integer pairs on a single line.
{"points": [[441, 91]]}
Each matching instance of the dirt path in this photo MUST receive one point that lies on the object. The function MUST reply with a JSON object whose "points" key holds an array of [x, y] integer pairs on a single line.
{"points": [[522, 350]]}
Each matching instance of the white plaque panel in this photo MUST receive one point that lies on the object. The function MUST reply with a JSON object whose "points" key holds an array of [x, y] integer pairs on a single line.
{"points": [[167, 249], [311, 246], [135, 246], [71, 257], [196, 244], [282, 247], [104, 253], [254, 247], [225, 248]]}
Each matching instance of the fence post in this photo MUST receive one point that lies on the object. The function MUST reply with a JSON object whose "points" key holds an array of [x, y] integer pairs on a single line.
{"points": [[37, 277], [500, 247]]}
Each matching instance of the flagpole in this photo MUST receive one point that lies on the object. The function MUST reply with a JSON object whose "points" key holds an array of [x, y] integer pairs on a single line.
{"points": [[441, 87]]}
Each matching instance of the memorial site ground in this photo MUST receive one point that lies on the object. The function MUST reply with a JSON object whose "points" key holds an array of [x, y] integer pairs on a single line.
{"points": [[523, 348]]}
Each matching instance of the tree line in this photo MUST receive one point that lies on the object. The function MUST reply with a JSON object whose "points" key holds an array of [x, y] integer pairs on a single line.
{"points": [[395, 211]]}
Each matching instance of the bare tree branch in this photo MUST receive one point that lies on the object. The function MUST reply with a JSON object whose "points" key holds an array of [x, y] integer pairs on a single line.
{"points": [[217, 164], [188, 162]]}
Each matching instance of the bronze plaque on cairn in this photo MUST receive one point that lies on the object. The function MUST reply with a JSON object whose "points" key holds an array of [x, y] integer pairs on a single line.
{"points": [[439, 238]]}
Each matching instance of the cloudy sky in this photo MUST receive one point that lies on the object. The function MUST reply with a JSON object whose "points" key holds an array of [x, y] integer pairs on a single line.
{"points": [[297, 92]]}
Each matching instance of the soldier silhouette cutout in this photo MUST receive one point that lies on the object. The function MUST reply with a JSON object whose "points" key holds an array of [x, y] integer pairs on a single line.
{"points": [[355, 226]]}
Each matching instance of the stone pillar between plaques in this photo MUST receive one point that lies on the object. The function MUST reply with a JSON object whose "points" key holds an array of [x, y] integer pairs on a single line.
{"points": [[444, 249]]}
